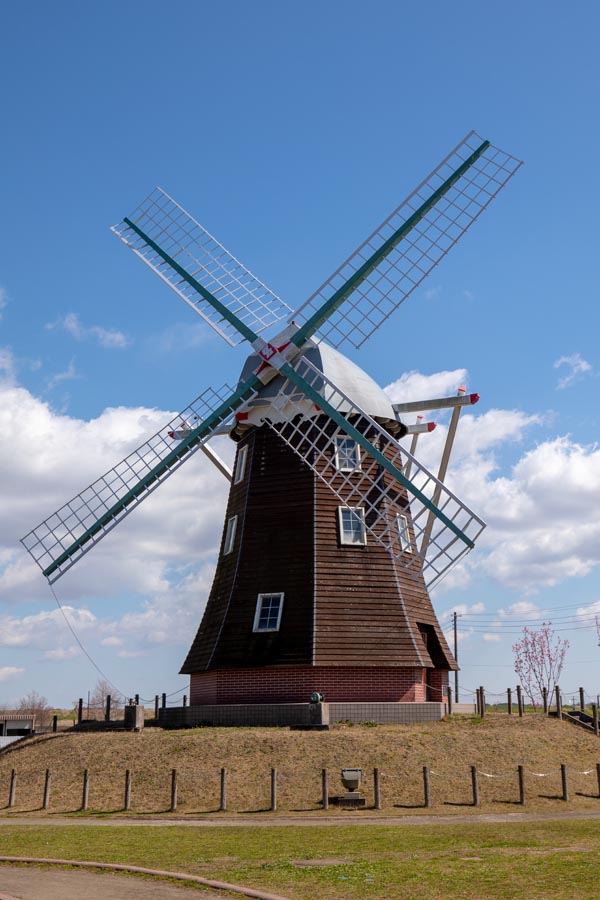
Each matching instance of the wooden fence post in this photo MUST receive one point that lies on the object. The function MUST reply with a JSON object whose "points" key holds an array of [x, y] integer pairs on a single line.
{"points": [[46, 800], [127, 803], [156, 706], [482, 691], [173, 790], [107, 712], [86, 790], [595, 718], [477, 701], [13, 788], [545, 700], [520, 700], [164, 701], [223, 799], [184, 700], [509, 701], [598, 777], [273, 790], [581, 699], [558, 703], [377, 788], [521, 773], [426, 788], [563, 778], [80, 711], [54, 724], [449, 700], [325, 788], [475, 785]]}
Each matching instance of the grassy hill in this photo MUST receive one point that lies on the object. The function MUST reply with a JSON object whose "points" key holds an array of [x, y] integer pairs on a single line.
{"points": [[496, 745]]}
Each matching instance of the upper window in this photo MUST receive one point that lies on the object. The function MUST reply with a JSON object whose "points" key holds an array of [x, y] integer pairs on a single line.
{"points": [[347, 454], [268, 612], [402, 522], [352, 525], [240, 465], [230, 535]]}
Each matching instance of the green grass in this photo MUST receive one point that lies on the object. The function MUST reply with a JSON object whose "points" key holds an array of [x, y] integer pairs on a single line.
{"points": [[549, 860]]}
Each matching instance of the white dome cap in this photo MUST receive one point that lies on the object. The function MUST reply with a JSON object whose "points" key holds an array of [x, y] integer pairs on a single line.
{"points": [[345, 375]]}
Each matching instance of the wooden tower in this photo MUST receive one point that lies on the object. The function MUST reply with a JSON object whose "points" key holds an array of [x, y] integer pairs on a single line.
{"points": [[304, 598]]}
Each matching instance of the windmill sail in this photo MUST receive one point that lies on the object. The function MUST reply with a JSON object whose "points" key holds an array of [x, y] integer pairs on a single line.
{"points": [[198, 268], [378, 487], [370, 285], [61, 539]]}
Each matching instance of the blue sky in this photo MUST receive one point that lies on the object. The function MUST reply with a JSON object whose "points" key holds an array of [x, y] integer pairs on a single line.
{"points": [[291, 131]]}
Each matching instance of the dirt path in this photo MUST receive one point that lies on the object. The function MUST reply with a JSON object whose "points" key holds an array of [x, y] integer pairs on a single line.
{"points": [[351, 818], [31, 883]]}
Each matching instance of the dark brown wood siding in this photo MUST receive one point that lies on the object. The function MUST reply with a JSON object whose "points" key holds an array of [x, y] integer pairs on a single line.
{"points": [[343, 606], [273, 552]]}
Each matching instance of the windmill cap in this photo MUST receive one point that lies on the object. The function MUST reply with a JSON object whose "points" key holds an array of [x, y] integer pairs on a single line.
{"points": [[349, 378]]}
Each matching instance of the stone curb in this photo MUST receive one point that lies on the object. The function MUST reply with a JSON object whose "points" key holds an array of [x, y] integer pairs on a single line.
{"points": [[115, 867]]}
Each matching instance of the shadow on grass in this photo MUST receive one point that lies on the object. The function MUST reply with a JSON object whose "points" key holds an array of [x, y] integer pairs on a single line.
{"points": [[409, 806], [589, 796], [458, 803]]}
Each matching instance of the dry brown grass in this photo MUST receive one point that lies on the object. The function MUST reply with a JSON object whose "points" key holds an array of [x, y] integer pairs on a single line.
{"points": [[495, 745]]}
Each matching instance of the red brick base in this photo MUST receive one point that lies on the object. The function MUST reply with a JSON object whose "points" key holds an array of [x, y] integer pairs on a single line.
{"points": [[295, 684]]}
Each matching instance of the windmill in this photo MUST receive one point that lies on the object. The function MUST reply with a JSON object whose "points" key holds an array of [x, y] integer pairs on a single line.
{"points": [[334, 531]]}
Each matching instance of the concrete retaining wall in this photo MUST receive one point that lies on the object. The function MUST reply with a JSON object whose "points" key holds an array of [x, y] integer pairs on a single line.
{"points": [[298, 714]]}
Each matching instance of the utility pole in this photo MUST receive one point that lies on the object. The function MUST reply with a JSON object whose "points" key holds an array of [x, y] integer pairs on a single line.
{"points": [[455, 630]]}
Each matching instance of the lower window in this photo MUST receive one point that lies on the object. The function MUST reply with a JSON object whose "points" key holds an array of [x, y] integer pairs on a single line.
{"points": [[352, 525], [268, 612]]}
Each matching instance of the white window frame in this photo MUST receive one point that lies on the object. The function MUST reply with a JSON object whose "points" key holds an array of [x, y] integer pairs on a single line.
{"points": [[230, 535], [259, 607], [240, 464], [345, 536], [403, 532], [338, 461]]}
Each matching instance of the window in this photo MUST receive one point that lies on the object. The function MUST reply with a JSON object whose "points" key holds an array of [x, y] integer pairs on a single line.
{"points": [[347, 454], [402, 522], [240, 466], [230, 535], [352, 525], [268, 612]]}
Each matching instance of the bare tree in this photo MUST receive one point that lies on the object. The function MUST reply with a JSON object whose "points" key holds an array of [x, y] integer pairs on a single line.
{"points": [[34, 704], [539, 660], [102, 690]]}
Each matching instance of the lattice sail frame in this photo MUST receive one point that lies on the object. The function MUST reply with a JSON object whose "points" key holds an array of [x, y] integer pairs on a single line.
{"points": [[67, 531], [405, 265], [191, 246], [378, 492]]}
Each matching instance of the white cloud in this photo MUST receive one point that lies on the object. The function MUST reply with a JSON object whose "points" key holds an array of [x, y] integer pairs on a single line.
{"points": [[112, 641], [491, 638], [44, 630], [463, 609], [69, 374], [7, 672], [7, 365], [62, 653], [521, 610], [576, 367], [46, 458], [180, 337], [107, 338], [416, 386], [3, 299]]}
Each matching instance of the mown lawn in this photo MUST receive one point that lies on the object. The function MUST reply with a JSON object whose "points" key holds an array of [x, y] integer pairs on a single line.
{"points": [[476, 861]]}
